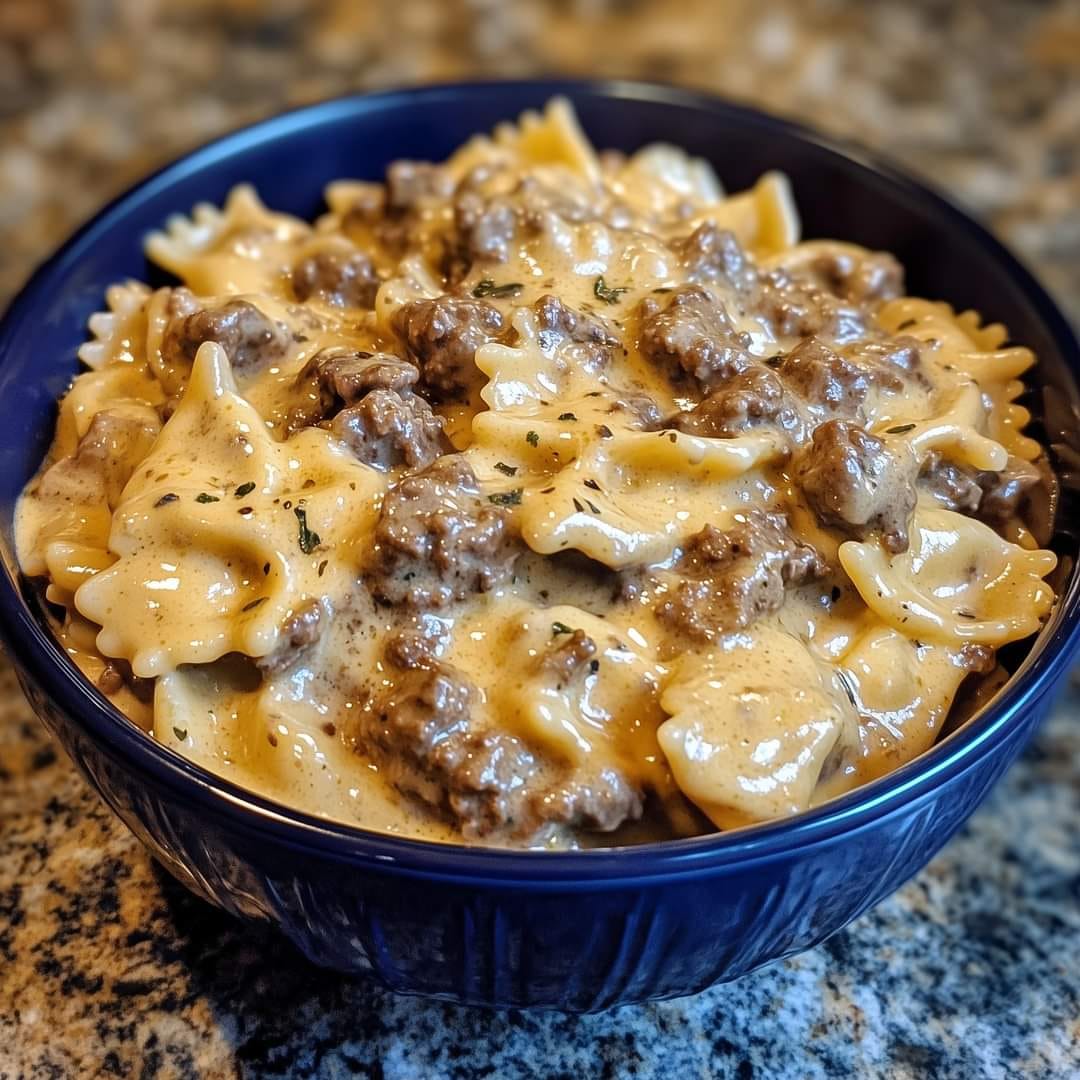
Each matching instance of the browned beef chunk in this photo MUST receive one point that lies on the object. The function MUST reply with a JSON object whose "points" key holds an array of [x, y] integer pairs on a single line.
{"points": [[822, 377], [747, 400], [889, 364], [438, 539], [104, 460], [348, 280], [251, 339], [692, 334], [422, 734], [727, 579], [558, 324], [955, 487], [853, 481], [345, 377], [638, 409], [297, 635], [860, 278], [442, 336], [1003, 493], [485, 227], [410, 182], [387, 429], [710, 253], [336, 377], [567, 659], [599, 799], [796, 307]]}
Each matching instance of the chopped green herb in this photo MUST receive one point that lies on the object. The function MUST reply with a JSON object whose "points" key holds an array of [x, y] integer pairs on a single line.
{"points": [[906, 324], [604, 431], [532, 438], [594, 666], [180, 733], [506, 470], [168, 497], [202, 497], [672, 437], [590, 483], [246, 510], [900, 429], [487, 287], [661, 291], [255, 603], [547, 491], [322, 566], [775, 361], [506, 498], [602, 291], [578, 507], [266, 568], [558, 628], [567, 416], [592, 506], [244, 489], [309, 540]]}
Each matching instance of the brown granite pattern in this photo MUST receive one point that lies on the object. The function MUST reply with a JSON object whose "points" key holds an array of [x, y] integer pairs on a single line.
{"points": [[109, 969]]}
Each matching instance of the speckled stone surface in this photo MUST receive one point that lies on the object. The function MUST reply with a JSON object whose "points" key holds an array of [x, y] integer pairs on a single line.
{"points": [[107, 968]]}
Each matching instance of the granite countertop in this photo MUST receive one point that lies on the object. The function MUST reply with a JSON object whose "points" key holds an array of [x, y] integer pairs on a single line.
{"points": [[108, 968]]}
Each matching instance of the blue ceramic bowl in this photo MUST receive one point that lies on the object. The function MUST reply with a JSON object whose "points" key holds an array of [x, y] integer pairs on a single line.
{"points": [[578, 930]]}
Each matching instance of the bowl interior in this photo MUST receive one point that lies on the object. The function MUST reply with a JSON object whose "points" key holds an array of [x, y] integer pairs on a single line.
{"points": [[841, 193]]}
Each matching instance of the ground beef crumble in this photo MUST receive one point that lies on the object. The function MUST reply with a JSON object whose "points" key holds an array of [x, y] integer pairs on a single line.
{"points": [[438, 539], [726, 579], [853, 481], [442, 337]]}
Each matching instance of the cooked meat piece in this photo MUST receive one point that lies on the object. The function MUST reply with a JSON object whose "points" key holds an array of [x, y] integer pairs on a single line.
{"points": [[410, 182], [747, 400], [566, 660], [387, 429], [853, 481], [485, 226], [641, 410], [297, 635], [422, 735], [980, 659], [861, 279], [105, 458], [693, 333], [1004, 492], [348, 280], [558, 324], [822, 377], [345, 377], [710, 253], [600, 800], [796, 307], [442, 336], [408, 649], [438, 539], [336, 377], [249, 337], [888, 364], [955, 487], [727, 579]]}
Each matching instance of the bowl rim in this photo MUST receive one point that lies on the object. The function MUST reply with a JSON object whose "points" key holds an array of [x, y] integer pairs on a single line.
{"points": [[35, 649]]}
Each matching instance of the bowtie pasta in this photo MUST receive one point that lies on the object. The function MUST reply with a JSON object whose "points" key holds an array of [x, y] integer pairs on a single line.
{"points": [[541, 497]]}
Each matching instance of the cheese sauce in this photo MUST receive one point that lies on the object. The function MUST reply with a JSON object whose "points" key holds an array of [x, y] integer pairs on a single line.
{"points": [[540, 498]]}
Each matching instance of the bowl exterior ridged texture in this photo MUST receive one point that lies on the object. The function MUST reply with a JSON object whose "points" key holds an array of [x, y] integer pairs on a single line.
{"points": [[577, 931], [581, 949]]}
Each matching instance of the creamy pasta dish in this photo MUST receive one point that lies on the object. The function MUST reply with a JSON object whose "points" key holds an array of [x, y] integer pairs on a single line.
{"points": [[542, 497]]}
